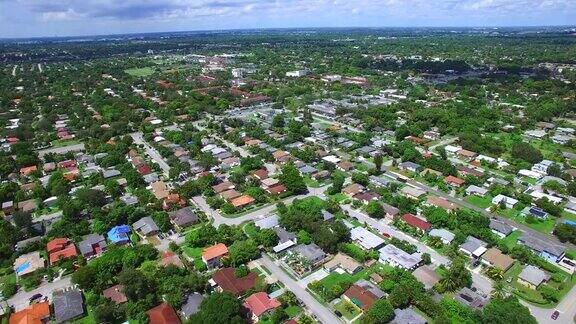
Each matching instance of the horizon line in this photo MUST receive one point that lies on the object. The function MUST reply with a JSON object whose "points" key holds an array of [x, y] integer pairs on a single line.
{"points": [[283, 28]]}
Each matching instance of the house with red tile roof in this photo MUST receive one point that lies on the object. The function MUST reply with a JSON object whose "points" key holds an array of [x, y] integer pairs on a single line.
{"points": [[416, 222], [276, 189], [360, 297], [226, 280], [259, 304], [242, 201], [34, 314], [115, 294], [163, 314], [61, 249], [26, 171], [453, 181], [213, 255]]}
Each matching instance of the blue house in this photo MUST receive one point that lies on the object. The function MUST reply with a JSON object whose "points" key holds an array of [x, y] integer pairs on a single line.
{"points": [[547, 250], [119, 234]]}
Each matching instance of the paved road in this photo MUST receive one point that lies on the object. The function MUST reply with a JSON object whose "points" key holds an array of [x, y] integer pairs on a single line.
{"points": [[21, 299], [152, 153], [323, 314], [62, 150], [478, 280], [567, 309], [219, 219], [243, 152]]}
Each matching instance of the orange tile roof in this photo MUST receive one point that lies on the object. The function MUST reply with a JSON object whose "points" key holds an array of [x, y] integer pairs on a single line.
{"points": [[33, 314], [67, 253], [56, 244], [163, 314], [214, 251], [28, 170], [242, 201], [259, 303]]}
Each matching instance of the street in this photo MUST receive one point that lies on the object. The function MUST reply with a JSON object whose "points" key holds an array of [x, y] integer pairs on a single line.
{"points": [[62, 150], [219, 219], [323, 314], [152, 153]]}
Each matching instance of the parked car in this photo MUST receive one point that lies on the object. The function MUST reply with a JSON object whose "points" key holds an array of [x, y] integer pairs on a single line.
{"points": [[35, 297], [555, 315]]}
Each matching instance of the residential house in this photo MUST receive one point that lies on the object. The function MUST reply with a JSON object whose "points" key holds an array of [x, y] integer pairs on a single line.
{"points": [[504, 200], [445, 235], [413, 193], [345, 166], [473, 247], [344, 262], [92, 245], [453, 181], [34, 314], [500, 228], [495, 258], [28, 206], [163, 314], [146, 227], [441, 203], [226, 280], [409, 166], [285, 239], [390, 210], [470, 298], [417, 222], [183, 217], [160, 190], [367, 196], [115, 294], [119, 234], [381, 182], [366, 239], [28, 263], [535, 212], [547, 250], [476, 191], [390, 254], [68, 305], [221, 187], [532, 277], [60, 249], [171, 258], [312, 252], [353, 189], [427, 276], [267, 222], [466, 155], [407, 316], [213, 255], [259, 304], [360, 296], [242, 201]]}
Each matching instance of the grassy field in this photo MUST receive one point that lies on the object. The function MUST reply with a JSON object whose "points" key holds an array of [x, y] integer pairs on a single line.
{"points": [[481, 202], [293, 310], [511, 239], [196, 254], [543, 226], [347, 309], [140, 72], [62, 143]]}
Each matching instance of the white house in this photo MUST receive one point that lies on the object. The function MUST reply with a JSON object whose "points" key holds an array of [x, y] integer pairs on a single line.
{"points": [[508, 201]]}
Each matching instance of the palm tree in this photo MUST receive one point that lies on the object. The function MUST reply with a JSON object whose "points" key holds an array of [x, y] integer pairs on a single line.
{"points": [[500, 290]]}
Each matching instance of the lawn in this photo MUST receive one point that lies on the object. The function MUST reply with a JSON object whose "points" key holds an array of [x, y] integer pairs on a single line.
{"points": [[62, 143], [481, 202], [196, 254], [543, 226], [311, 182], [568, 216], [335, 278], [347, 309], [293, 311], [140, 72], [511, 239], [339, 197]]}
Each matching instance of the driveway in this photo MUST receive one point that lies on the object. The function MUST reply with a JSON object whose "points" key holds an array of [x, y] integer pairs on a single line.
{"points": [[21, 299]]}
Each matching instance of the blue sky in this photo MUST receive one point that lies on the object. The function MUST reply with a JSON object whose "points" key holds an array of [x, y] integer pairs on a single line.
{"points": [[27, 18]]}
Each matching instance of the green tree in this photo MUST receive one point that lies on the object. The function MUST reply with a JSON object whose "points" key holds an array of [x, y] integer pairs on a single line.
{"points": [[506, 311], [381, 312], [292, 179], [219, 308]]}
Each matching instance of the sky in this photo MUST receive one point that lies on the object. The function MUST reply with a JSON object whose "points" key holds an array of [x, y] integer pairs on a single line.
{"points": [[45, 18]]}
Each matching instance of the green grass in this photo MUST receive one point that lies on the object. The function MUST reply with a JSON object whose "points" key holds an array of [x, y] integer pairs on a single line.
{"points": [[196, 254], [311, 182], [348, 310], [293, 310], [481, 202], [335, 278], [140, 72], [339, 197], [568, 216], [543, 226], [62, 143], [511, 239]]}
